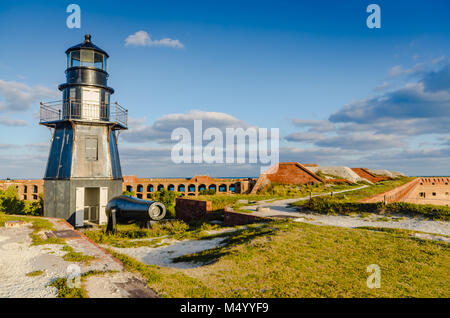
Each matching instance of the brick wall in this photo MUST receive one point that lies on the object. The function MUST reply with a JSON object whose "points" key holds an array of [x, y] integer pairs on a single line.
{"points": [[26, 189], [192, 210], [286, 173], [395, 195], [366, 174]]}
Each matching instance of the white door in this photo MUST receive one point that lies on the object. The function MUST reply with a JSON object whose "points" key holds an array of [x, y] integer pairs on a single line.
{"points": [[90, 104], [79, 206], [103, 203]]}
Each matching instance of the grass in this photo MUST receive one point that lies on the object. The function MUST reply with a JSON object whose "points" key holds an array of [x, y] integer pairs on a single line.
{"points": [[288, 259], [348, 203], [66, 292], [38, 225], [131, 235], [72, 256], [371, 190], [35, 273], [274, 191]]}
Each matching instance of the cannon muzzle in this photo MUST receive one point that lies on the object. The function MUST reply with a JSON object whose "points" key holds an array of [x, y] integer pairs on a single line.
{"points": [[125, 208]]}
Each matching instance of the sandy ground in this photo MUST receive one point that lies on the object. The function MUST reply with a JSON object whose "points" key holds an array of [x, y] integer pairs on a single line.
{"points": [[18, 258], [164, 255]]}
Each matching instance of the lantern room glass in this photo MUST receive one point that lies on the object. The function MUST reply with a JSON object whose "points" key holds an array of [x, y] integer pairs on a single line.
{"points": [[88, 58]]}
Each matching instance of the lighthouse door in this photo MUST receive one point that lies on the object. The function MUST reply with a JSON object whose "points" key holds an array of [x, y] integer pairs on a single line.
{"points": [[90, 108]]}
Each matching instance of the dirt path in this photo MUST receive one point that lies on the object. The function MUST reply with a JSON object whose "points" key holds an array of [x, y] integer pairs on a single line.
{"points": [[282, 209], [19, 258]]}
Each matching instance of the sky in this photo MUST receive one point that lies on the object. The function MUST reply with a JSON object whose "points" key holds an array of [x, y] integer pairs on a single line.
{"points": [[340, 93]]}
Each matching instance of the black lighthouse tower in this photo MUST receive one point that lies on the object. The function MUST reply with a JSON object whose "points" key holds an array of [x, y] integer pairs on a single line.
{"points": [[83, 170]]}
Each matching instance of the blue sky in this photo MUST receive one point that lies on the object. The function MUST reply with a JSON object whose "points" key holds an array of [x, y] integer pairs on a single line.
{"points": [[340, 93]]}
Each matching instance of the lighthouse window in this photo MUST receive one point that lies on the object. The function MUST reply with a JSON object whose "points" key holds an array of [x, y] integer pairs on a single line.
{"points": [[91, 148], [75, 59], [87, 58], [98, 60]]}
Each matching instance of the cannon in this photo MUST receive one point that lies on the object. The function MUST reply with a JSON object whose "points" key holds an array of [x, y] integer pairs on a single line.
{"points": [[125, 209]]}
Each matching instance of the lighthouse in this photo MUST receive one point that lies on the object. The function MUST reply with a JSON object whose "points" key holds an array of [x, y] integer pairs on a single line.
{"points": [[83, 170]]}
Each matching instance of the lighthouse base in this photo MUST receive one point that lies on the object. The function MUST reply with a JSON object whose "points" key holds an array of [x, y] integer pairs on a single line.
{"points": [[80, 200]]}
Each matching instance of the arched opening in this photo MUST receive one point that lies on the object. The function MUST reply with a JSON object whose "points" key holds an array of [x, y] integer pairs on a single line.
{"points": [[232, 188], [171, 187], [212, 187], [181, 188], [150, 188], [140, 188], [223, 188], [191, 194], [25, 189], [160, 187], [201, 187], [191, 188], [129, 188], [139, 195], [35, 189]]}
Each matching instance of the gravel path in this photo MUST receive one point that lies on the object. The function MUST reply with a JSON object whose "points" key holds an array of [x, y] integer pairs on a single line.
{"points": [[282, 209]]}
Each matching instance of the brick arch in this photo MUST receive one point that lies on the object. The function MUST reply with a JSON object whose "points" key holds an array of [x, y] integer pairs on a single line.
{"points": [[192, 187], [140, 188], [223, 187], [181, 188], [171, 187], [150, 188]]}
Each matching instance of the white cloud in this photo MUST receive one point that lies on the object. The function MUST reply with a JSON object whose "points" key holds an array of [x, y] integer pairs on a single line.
{"points": [[12, 122], [142, 38], [15, 96], [438, 60], [162, 128], [398, 70]]}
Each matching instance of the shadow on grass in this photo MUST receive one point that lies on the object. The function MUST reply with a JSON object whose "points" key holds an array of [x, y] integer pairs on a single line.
{"points": [[231, 239]]}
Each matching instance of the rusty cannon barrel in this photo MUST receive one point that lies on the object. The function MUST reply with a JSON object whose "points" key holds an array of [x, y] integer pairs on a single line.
{"points": [[125, 209]]}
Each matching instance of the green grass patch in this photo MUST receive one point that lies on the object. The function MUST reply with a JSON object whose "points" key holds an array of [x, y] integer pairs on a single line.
{"points": [[38, 225], [289, 259], [72, 256], [333, 206], [131, 235], [35, 273], [66, 292]]}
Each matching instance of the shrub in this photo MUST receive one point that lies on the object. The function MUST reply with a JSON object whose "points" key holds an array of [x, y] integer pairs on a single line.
{"points": [[11, 204], [207, 192], [327, 205]]}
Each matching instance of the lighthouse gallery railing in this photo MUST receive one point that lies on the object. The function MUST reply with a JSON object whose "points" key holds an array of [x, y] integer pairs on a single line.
{"points": [[77, 110]]}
